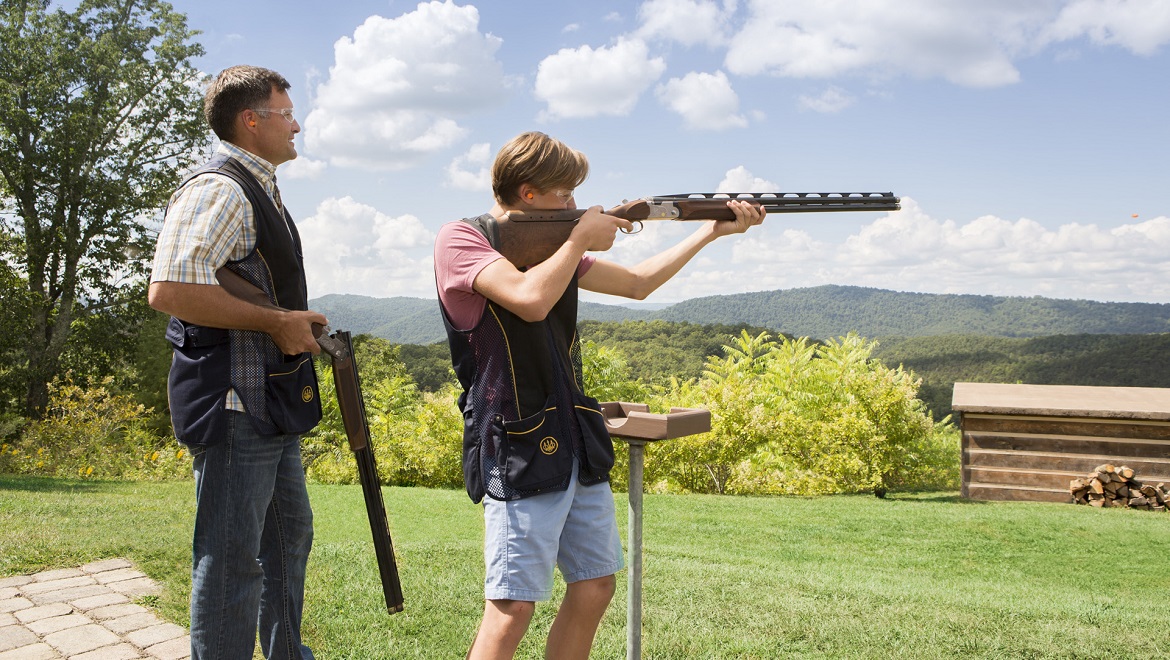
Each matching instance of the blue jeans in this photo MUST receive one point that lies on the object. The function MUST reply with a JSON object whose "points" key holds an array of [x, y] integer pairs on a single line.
{"points": [[253, 532]]}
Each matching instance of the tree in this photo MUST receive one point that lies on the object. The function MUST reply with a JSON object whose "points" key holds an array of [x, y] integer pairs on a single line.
{"points": [[97, 120]]}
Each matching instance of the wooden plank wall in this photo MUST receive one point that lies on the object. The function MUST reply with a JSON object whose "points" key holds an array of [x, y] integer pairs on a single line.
{"points": [[1033, 458]]}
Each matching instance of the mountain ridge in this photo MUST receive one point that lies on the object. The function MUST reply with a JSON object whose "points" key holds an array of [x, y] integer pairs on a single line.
{"points": [[818, 312]]}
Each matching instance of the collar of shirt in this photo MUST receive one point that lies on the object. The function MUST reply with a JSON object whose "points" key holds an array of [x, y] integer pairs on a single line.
{"points": [[264, 171]]}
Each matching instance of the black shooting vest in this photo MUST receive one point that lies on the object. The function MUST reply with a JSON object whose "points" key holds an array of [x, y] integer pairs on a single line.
{"points": [[525, 414], [279, 392]]}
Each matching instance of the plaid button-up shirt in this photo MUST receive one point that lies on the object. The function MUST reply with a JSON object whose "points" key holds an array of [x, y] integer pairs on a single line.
{"points": [[209, 222]]}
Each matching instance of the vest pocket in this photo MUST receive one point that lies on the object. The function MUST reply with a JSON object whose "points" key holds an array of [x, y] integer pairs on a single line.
{"points": [[536, 454], [599, 455], [293, 400], [198, 383]]}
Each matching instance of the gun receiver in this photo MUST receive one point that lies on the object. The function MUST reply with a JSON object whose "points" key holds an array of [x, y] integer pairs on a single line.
{"points": [[527, 238]]}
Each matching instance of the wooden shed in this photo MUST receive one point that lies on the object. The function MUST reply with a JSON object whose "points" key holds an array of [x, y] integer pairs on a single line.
{"points": [[1027, 442]]}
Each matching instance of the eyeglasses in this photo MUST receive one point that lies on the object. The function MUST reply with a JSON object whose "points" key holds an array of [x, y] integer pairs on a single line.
{"points": [[287, 113], [564, 195]]}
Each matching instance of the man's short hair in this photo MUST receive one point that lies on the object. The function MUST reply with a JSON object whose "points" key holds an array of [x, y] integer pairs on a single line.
{"points": [[236, 89], [542, 162]]}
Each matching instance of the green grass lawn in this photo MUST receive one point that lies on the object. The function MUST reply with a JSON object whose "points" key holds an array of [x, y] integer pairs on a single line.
{"points": [[911, 576]]}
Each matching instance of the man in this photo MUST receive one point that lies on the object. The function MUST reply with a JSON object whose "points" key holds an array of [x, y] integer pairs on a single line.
{"points": [[535, 447], [242, 386]]}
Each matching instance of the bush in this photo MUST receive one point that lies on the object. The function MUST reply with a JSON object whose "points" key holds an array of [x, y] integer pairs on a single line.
{"points": [[794, 418], [788, 417], [89, 433]]}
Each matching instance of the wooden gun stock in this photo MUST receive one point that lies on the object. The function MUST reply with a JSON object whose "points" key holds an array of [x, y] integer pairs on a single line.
{"points": [[529, 238], [250, 293]]}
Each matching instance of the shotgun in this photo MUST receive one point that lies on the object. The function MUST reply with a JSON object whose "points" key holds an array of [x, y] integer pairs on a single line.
{"points": [[527, 238], [357, 430], [353, 415]]}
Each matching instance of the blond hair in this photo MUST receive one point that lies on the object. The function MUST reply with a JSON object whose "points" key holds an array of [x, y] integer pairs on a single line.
{"points": [[540, 161]]}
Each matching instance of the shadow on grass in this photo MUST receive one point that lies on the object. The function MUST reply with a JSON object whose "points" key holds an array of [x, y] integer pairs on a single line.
{"points": [[47, 484], [933, 498]]}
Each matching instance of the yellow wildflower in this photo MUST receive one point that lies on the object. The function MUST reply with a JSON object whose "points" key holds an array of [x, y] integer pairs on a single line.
{"points": [[154, 456]]}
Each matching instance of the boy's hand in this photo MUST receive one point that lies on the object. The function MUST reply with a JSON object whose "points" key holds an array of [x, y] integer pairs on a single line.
{"points": [[596, 230], [746, 215]]}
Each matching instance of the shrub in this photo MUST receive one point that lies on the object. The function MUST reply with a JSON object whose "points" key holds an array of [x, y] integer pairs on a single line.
{"points": [[90, 432], [790, 417]]}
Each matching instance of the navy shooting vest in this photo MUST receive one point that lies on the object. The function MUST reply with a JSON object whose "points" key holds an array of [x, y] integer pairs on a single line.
{"points": [[525, 413], [279, 392]]}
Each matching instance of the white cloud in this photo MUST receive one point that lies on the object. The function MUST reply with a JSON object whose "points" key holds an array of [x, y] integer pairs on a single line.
{"points": [[908, 250], [586, 82], [352, 247], [968, 43], [975, 44], [1140, 26], [397, 85], [833, 99], [303, 167], [688, 22], [705, 101], [740, 180], [472, 170]]}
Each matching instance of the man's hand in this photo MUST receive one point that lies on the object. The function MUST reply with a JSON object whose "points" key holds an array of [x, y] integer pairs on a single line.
{"points": [[746, 215], [596, 230], [293, 332]]}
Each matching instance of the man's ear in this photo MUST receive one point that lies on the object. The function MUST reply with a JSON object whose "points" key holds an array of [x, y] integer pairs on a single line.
{"points": [[249, 118], [527, 193]]}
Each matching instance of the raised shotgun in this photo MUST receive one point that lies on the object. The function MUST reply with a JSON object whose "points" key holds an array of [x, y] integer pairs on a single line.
{"points": [[527, 238], [353, 415]]}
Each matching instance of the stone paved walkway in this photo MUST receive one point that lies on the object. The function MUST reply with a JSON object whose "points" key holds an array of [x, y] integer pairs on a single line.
{"points": [[85, 613]]}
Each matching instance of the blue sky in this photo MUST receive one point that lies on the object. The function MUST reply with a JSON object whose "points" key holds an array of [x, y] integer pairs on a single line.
{"points": [[1028, 138]]}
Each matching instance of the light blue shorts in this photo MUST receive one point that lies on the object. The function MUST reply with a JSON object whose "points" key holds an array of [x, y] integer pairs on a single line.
{"points": [[574, 530]]}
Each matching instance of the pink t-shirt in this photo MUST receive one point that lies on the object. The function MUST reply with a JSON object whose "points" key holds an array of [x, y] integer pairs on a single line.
{"points": [[461, 253]]}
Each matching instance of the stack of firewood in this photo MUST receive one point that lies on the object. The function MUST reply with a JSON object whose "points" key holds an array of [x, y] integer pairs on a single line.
{"points": [[1109, 486]]}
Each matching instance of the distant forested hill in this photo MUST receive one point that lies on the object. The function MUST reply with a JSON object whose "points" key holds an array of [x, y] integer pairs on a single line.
{"points": [[1103, 360], [817, 312], [401, 320], [417, 320], [831, 311]]}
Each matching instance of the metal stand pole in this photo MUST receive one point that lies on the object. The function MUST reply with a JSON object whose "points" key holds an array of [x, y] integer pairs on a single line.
{"points": [[634, 596], [634, 424]]}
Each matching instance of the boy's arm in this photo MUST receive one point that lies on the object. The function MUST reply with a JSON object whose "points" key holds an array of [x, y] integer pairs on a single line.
{"points": [[640, 281], [531, 293]]}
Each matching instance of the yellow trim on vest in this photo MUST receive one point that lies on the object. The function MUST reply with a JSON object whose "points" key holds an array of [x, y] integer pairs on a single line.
{"points": [[294, 369], [511, 364]]}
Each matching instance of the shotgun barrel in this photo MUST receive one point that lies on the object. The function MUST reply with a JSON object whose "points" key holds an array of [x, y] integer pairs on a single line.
{"points": [[357, 430]]}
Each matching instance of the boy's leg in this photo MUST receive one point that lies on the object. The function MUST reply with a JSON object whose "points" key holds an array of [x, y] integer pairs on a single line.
{"points": [[521, 543], [590, 553], [503, 626], [576, 623]]}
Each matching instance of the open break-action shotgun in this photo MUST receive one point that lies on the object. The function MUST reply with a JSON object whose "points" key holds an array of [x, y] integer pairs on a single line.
{"points": [[527, 238], [357, 430]]}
